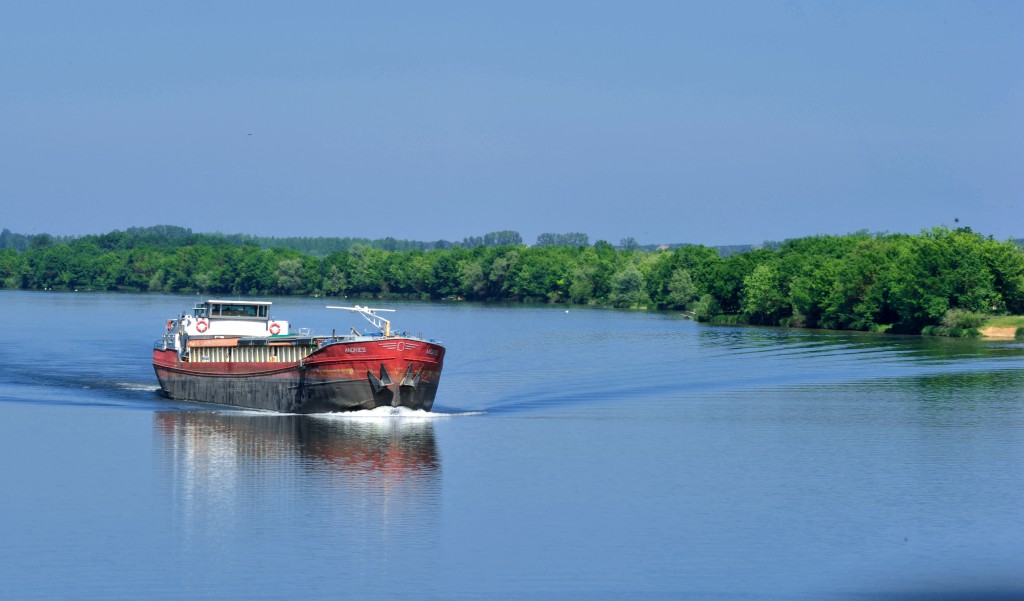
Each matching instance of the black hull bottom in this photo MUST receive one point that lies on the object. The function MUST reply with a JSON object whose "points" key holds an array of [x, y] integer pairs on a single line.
{"points": [[294, 394]]}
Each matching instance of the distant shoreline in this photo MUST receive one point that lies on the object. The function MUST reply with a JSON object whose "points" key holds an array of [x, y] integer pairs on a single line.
{"points": [[940, 282]]}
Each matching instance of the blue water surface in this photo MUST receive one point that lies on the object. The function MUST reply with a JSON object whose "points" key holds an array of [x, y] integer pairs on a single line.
{"points": [[580, 454]]}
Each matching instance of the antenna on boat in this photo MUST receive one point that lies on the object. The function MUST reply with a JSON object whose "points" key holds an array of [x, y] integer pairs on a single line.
{"points": [[371, 316]]}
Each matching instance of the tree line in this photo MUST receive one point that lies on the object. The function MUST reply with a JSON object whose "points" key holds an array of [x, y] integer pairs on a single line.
{"points": [[171, 236], [940, 278]]}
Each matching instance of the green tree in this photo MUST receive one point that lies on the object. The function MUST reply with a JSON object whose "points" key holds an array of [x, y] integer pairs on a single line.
{"points": [[501, 276], [725, 278], [681, 290], [503, 238], [367, 269], [473, 280], [421, 273], [41, 241], [571, 239], [1005, 261], [446, 274], [762, 298], [581, 287], [289, 276], [628, 288], [705, 308], [334, 282], [12, 269]]}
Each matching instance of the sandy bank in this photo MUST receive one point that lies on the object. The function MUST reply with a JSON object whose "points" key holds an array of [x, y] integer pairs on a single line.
{"points": [[993, 332]]}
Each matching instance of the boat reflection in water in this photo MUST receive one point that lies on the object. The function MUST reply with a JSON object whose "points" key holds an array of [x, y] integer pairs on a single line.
{"points": [[234, 459]]}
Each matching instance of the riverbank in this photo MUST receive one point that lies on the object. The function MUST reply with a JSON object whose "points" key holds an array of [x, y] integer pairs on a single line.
{"points": [[940, 283], [1003, 327]]}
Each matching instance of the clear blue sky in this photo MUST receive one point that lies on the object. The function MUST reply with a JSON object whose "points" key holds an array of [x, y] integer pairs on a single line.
{"points": [[702, 122]]}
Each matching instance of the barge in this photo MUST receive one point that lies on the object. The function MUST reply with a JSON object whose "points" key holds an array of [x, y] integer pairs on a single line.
{"points": [[231, 352]]}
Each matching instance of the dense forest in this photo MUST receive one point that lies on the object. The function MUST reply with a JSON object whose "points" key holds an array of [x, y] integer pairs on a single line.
{"points": [[940, 278]]}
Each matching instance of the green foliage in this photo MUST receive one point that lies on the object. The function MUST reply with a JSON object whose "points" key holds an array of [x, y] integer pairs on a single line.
{"points": [[725, 280], [705, 309], [961, 318], [762, 297], [943, 280], [681, 289], [289, 276], [629, 243], [571, 239], [628, 288], [950, 332], [1004, 321], [502, 238]]}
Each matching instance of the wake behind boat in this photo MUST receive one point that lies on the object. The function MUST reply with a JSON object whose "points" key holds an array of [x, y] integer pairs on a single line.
{"points": [[232, 353]]}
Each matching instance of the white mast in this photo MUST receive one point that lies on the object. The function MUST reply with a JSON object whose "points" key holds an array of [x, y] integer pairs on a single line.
{"points": [[371, 316]]}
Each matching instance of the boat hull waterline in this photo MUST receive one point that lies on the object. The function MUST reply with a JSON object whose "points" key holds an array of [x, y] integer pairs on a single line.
{"points": [[327, 380]]}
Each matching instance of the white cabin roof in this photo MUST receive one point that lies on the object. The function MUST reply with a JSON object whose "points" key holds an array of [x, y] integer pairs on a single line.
{"points": [[239, 302]]}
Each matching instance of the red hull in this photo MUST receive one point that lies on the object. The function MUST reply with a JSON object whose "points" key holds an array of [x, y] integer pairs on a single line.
{"points": [[337, 376]]}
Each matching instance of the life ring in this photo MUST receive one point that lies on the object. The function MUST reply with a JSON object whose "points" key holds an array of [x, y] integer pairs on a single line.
{"points": [[201, 325], [275, 329]]}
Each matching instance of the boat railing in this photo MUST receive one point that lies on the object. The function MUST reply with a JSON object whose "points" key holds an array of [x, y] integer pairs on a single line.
{"points": [[168, 342]]}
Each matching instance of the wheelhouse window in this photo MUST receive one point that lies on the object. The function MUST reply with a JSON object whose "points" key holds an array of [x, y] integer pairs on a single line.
{"points": [[239, 310]]}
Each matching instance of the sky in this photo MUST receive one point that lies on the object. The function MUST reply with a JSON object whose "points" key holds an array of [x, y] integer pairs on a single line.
{"points": [[670, 122]]}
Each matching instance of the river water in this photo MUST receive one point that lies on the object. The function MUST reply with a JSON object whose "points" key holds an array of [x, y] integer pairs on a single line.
{"points": [[580, 454]]}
